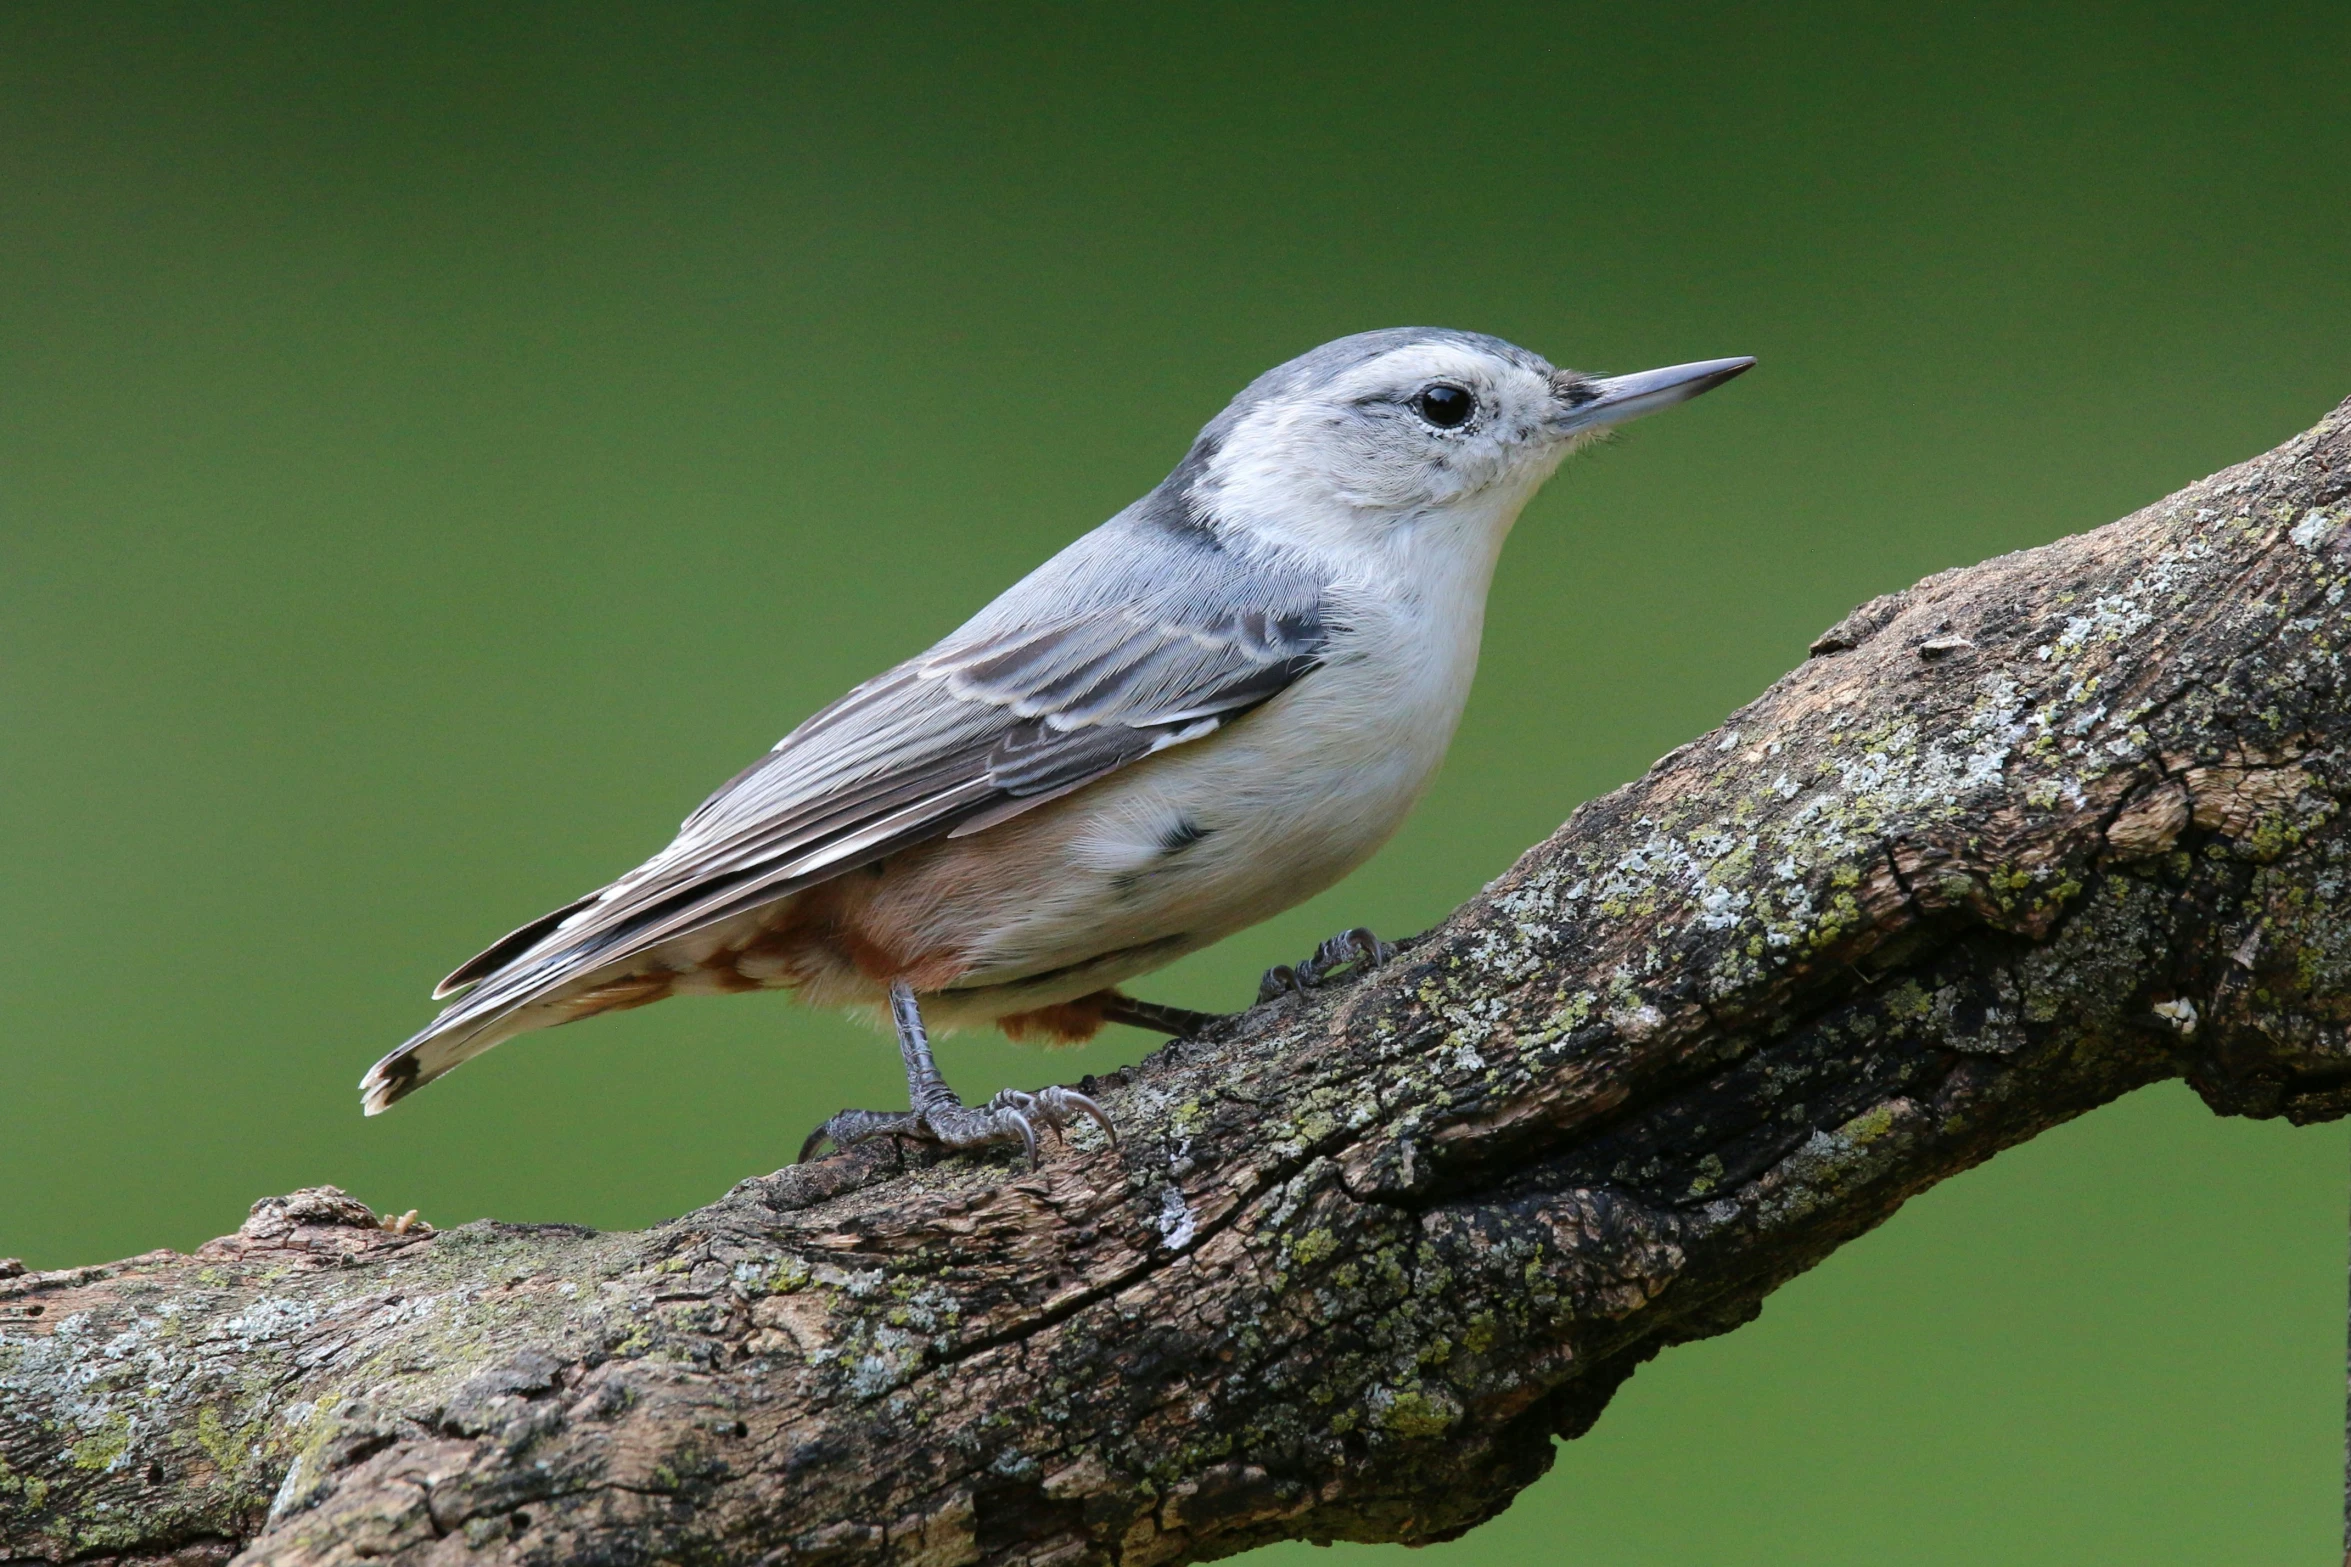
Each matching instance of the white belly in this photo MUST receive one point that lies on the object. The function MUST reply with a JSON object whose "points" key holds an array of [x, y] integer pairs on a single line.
{"points": [[1204, 840]]}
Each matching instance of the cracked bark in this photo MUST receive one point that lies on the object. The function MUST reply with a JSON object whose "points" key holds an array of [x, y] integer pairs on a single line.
{"points": [[2011, 843]]}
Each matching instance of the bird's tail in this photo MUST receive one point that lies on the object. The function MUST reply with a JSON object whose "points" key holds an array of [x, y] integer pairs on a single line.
{"points": [[513, 986], [446, 1042], [528, 992]]}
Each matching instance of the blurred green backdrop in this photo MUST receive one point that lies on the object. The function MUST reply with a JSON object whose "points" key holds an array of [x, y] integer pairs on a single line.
{"points": [[437, 445]]}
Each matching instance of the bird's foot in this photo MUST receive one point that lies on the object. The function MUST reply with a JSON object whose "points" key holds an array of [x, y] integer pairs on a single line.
{"points": [[1348, 953], [1011, 1117], [940, 1118]]}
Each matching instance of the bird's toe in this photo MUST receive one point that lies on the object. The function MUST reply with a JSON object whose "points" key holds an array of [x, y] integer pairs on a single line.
{"points": [[1279, 981], [851, 1127], [1017, 1116], [1349, 953], [1060, 1107], [1013, 1116]]}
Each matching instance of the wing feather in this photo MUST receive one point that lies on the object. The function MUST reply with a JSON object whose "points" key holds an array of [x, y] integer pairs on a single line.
{"points": [[1018, 708]]}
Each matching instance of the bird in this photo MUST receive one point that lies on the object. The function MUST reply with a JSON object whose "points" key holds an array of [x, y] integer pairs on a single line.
{"points": [[1204, 711]]}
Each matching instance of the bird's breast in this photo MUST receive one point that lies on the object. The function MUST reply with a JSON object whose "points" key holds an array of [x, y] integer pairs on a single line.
{"points": [[1210, 837]]}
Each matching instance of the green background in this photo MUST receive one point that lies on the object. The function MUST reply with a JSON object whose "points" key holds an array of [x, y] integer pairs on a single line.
{"points": [[437, 445]]}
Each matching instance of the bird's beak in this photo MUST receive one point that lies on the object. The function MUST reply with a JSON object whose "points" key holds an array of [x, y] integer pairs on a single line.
{"points": [[1590, 402]]}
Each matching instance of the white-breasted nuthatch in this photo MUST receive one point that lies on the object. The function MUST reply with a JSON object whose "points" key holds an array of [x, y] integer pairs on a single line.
{"points": [[1208, 709]]}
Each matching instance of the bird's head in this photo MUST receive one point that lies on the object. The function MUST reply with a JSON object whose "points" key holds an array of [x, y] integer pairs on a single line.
{"points": [[1411, 432]]}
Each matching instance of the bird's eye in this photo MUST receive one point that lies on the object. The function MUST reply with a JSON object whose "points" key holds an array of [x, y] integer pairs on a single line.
{"points": [[1447, 407]]}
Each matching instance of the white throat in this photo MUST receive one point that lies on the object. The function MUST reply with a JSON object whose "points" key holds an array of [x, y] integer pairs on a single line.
{"points": [[1431, 549]]}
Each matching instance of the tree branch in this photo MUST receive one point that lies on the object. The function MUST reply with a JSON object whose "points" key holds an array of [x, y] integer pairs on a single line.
{"points": [[2013, 842]]}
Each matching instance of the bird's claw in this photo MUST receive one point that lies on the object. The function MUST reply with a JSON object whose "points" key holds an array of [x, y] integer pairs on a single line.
{"points": [[1355, 951], [1011, 1117], [1014, 1114]]}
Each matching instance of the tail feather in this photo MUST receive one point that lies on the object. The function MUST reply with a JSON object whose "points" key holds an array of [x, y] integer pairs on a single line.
{"points": [[533, 977], [439, 1047], [504, 1002], [508, 947]]}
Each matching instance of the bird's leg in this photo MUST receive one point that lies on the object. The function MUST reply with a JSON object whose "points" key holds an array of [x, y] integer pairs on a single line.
{"points": [[1355, 951], [1177, 1022], [936, 1115]]}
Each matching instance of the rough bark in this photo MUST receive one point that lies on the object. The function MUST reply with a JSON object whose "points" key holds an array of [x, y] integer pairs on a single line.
{"points": [[2013, 842]]}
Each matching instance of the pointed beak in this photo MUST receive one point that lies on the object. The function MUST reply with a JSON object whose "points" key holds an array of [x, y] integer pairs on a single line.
{"points": [[1590, 402]]}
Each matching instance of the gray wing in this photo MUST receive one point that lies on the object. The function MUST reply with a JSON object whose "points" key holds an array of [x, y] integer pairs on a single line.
{"points": [[1048, 690]]}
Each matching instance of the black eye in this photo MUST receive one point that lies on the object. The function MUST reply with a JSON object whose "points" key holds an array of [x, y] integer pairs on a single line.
{"points": [[1446, 407]]}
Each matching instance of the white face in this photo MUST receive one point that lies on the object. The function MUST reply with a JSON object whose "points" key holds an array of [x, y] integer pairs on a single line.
{"points": [[1427, 432]]}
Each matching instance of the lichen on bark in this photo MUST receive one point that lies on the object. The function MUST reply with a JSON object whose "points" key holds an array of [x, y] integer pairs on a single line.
{"points": [[2012, 842]]}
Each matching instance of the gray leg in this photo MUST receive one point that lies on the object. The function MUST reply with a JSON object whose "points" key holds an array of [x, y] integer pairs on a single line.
{"points": [[936, 1115], [1176, 1022], [1350, 952]]}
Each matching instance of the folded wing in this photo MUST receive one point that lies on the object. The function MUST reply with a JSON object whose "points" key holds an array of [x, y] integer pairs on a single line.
{"points": [[1023, 705]]}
